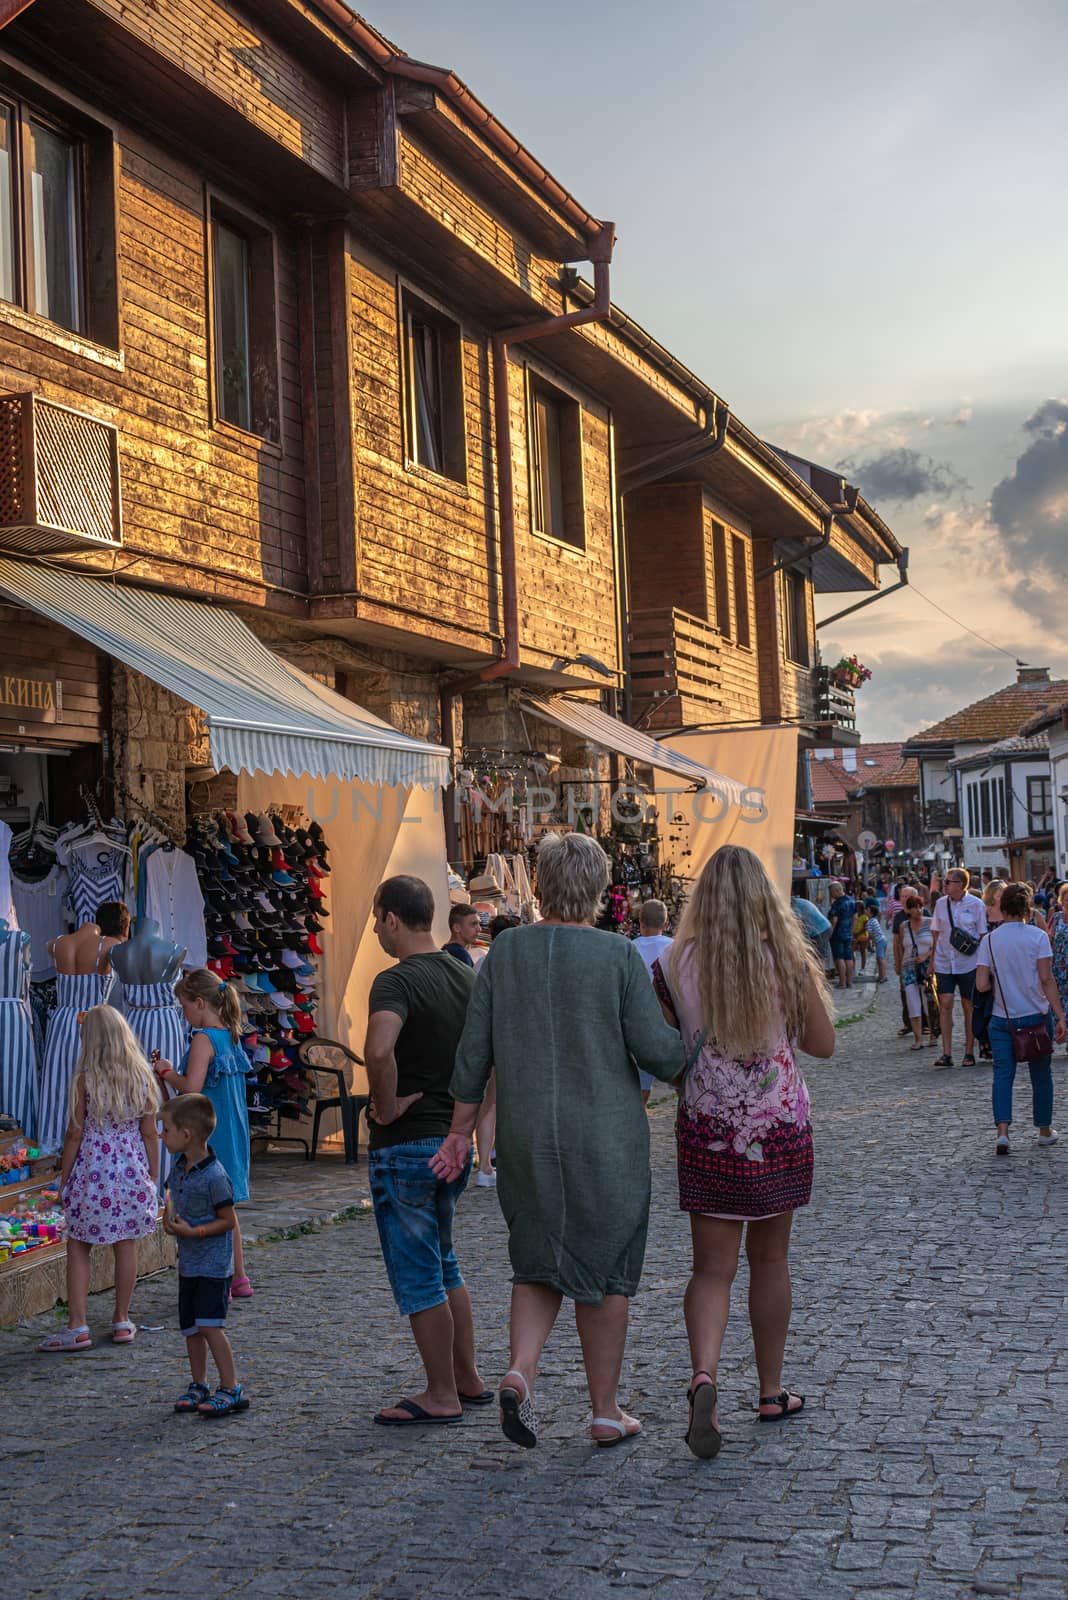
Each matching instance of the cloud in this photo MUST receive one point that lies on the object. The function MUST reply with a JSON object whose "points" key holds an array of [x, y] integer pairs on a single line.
{"points": [[1029, 509], [910, 692], [961, 419], [850, 433], [903, 475]]}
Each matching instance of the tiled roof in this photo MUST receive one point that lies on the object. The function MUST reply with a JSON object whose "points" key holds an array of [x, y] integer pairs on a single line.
{"points": [[1035, 743], [833, 782], [1045, 719], [999, 716], [903, 775]]}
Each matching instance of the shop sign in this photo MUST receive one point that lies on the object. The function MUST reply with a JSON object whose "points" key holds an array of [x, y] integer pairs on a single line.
{"points": [[31, 697]]}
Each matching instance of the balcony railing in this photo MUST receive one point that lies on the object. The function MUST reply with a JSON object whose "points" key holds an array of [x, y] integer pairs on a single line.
{"points": [[674, 654], [939, 814], [835, 706]]}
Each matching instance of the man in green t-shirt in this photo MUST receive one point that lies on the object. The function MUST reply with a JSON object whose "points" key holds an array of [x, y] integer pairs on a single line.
{"points": [[416, 1016]]}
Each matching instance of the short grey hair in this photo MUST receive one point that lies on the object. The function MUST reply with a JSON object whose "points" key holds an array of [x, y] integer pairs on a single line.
{"points": [[653, 914], [573, 874]]}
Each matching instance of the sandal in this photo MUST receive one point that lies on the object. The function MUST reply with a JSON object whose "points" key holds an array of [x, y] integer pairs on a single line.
{"points": [[123, 1332], [621, 1431], [415, 1413], [241, 1289], [944, 1061], [702, 1435], [194, 1396], [223, 1402], [67, 1343], [782, 1400], [968, 1060], [519, 1422], [917, 1045]]}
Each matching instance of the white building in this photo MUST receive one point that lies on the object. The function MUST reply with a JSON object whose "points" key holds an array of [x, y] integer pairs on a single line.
{"points": [[1006, 809], [1053, 724]]}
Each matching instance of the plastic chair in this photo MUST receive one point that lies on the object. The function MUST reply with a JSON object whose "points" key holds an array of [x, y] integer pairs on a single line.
{"points": [[327, 1058]]}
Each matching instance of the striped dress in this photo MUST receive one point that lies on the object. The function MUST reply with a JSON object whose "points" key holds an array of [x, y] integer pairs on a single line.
{"points": [[63, 1045], [158, 1024], [18, 1058]]}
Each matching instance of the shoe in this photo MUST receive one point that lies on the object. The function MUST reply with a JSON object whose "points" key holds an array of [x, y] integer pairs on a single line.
{"points": [[944, 1061], [488, 1180], [1048, 1138], [1002, 1146]]}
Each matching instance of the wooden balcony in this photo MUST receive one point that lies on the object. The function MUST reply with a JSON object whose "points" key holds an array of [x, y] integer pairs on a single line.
{"points": [[674, 668], [836, 710]]}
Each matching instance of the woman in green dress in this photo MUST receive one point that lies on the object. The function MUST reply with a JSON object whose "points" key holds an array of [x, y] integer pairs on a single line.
{"points": [[567, 1015]]}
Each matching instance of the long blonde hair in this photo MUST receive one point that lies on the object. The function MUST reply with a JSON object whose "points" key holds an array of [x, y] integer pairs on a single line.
{"points": [[200, 984], [734, 921], [119, 1082]]}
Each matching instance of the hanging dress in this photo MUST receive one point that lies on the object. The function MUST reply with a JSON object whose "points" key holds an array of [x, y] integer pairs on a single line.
{"points": [[75, 992], [157, 1022], [18, 1058], [97, 874], [225, 1088]]}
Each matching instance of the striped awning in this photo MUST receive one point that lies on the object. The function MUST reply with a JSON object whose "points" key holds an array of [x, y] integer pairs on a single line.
{"points": [[589, 722], [262, 714]]}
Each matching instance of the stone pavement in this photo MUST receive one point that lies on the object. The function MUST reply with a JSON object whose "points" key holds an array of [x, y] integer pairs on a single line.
{"points": [[931, 1461]]}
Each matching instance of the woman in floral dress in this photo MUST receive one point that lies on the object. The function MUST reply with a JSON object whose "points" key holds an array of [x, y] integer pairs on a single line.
{"points": [[742, 999]]}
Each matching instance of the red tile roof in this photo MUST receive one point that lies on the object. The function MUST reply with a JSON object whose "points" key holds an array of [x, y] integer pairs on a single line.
{"points": [[832, 783], [999, 716]]}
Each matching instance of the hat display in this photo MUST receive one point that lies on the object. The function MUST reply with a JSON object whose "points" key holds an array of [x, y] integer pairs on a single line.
{"points": [[265, 892]]}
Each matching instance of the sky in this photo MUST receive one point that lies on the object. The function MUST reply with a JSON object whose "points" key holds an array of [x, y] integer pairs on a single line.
{"points": [[849, 220]]}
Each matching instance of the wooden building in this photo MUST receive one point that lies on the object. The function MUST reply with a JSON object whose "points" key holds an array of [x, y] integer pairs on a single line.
{"points": [[304, 326]]}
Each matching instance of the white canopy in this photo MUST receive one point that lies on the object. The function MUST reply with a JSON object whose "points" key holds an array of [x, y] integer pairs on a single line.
{"points": [[589, 722], [262, 714]]}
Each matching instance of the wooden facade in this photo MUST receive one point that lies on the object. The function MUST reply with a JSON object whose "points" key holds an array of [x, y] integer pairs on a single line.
{"points": [[388, 237]]}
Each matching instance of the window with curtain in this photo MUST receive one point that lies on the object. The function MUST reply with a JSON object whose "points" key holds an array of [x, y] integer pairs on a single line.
{"points": [[433, 370], [740, 564], [50, 180], [1040, 805], [721, 579], [244, 323], [795, 618], [556, 486]]}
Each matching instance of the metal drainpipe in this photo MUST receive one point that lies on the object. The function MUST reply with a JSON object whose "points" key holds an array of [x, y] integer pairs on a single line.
{"points": [[524, 333], [880, 594], [846, 509]]}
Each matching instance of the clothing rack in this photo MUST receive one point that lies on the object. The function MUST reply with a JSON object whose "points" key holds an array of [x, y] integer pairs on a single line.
{"points": [[124, 794]]}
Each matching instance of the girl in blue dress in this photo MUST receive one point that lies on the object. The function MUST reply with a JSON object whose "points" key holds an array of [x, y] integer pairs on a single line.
{"points": [[215, 1065]]}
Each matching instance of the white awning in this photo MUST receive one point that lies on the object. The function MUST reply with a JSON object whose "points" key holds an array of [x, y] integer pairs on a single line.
{"points": [[610, 733], [262, 714]]}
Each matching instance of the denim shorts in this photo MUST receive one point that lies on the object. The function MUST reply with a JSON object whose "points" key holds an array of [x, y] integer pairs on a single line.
{"points": [[414, 1212], [202, 1303], [962, 982]]}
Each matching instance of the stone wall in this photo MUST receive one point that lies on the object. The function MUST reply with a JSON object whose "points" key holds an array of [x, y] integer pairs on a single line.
{"points": [[155, 737]]}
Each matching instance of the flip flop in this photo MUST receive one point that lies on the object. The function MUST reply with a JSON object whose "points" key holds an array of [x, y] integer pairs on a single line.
{"points": [[621, 1430], [241, 1289], [416, 1414], [702, 1436], [486, 1398], [68, 1343], [123, 1332]]}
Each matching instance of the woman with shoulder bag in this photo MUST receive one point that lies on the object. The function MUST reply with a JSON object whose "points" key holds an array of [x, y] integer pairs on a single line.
{"points": [[1016, 961], [744, 1004]]}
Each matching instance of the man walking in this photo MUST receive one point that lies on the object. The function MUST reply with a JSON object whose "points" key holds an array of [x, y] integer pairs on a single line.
{"points": [[416, 1016], [464, 928], [958, 923]]}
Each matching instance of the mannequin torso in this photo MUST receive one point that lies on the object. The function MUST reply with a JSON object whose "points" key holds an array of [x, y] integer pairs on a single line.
{"points": [[145, 957]]}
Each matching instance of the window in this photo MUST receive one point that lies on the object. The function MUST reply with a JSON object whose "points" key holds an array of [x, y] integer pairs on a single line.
{"points": [[741, 590], [434, 391], [244, 328], [973, 811], [985, 827], [556, 465], [795, 617], [53, 183], [721, 579], [1040, 805]]}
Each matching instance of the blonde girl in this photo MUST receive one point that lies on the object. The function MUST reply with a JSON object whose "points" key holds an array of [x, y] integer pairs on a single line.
{"points": [[746, 988], [216, 1065], [109, 1170]]}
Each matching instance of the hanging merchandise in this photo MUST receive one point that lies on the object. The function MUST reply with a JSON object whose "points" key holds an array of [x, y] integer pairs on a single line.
{"points": [[263, 881], [18, 1057], [96, 856]]}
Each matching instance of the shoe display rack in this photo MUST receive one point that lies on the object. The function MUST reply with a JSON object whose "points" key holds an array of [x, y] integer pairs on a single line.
{"points": [[263, 883]]}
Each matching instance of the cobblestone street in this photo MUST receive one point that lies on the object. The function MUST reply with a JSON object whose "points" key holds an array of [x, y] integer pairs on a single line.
{"points": [[928, 1336]]}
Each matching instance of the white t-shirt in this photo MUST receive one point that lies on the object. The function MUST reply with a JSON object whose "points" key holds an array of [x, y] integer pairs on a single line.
{"points": [[1018, 948], [969, 913], [650, 946], [924, 939]]}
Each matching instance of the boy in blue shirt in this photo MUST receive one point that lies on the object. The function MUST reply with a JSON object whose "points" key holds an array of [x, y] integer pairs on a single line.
{"points": [[200, 1215]]}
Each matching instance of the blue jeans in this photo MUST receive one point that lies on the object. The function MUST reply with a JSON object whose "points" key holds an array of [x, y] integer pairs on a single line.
{"points": [[1005, 1072], [414, 1212]]}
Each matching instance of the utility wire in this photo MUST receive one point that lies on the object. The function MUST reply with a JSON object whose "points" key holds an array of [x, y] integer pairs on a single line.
{"points": [[948, 614]]}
